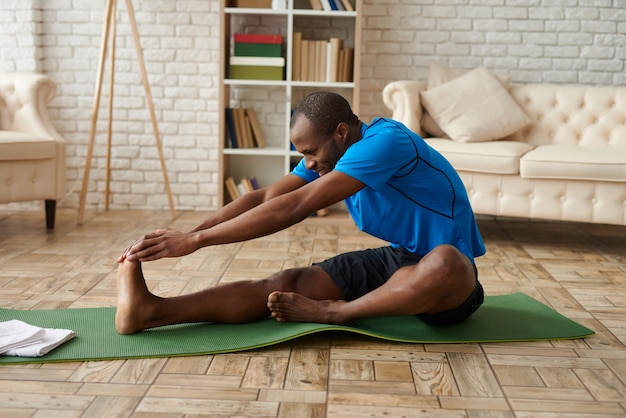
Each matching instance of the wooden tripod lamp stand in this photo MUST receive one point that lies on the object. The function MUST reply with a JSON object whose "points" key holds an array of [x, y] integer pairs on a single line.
{"points": [[109, 31]]}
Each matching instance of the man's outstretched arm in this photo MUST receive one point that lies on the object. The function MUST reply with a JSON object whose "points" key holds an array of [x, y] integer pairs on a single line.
{"points": [[180, 243], [251, 200], [241, 223]]}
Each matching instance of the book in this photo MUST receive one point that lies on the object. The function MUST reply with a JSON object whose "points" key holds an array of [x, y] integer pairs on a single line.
{"points": [[326, 5], [257, 38], [231, 187], [348, 70], [316, 4], [238, 125], [297, 57], [255, 183], [341, 63], [240, 189], [321, 63], [333, 67], [257, 72], [257, 132], [304, 66], [237, 128], [312, 61], [253, 49], [327, 63], [347, 5], [248, 130], [230, 127], [247, 185], [258, 61]]}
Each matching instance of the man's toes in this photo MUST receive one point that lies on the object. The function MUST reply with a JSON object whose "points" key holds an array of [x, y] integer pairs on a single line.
{"points": [[274, 297]]}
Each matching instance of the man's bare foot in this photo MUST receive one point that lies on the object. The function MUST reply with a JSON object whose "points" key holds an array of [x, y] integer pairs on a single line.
{"points": [[293, 307], [134, 300]]}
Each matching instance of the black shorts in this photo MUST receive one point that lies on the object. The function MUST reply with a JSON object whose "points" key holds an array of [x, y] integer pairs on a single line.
{"points": [[460, 313], [359, 272]]}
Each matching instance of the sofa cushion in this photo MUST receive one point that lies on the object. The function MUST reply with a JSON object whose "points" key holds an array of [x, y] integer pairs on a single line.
{"points": [[499, 157], [439, 74], [575, 162], [474, 107], [22, 146]]}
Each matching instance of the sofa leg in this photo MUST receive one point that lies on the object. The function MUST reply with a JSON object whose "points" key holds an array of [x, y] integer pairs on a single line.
{"points": [[51, 209]]}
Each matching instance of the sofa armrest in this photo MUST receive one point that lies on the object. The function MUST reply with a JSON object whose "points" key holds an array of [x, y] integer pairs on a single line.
{"points": [[24, 99], [403, 99]]}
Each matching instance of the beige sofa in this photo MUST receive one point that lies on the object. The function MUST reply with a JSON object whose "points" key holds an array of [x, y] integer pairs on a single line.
{"points": [[32, 153], [568, 163]]}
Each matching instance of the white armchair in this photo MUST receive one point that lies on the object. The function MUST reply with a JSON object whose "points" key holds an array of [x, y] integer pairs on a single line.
{"points": [[32, 153]]}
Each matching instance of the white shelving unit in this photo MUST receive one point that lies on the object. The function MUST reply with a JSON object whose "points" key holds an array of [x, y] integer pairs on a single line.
{"points": [[274, 100]]}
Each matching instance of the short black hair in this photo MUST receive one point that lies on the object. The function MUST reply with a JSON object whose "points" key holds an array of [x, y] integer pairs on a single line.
{"points": [[325, 110]]}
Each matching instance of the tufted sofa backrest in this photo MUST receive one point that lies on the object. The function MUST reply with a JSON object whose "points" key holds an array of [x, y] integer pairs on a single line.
{"points": [[572, 115]]}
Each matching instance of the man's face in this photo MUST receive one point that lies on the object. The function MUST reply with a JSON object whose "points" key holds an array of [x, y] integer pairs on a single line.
{"points": [[320, 153]]}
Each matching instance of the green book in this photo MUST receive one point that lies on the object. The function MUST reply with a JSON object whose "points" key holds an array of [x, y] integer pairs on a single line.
{"points": [[256, 72], [243, 49]]}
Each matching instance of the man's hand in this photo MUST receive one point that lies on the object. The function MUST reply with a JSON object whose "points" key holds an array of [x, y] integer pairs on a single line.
{"points": [[160, 244]]}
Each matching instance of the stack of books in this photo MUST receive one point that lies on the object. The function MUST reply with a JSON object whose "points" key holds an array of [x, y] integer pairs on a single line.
{"points": [[321, 60], [244, 129], [246, 185], [257, 57]]}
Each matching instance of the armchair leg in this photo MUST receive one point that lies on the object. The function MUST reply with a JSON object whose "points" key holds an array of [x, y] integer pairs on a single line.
{"points": [[51, 209]]}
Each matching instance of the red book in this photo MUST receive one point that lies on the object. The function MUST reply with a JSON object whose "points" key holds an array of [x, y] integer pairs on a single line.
{"points": [[257, 38]]}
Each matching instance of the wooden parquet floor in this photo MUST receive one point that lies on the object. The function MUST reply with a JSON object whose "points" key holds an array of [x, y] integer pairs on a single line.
{"points": [[578, 269]]}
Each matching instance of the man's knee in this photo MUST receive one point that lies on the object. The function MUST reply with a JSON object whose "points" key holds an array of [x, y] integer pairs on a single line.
{"points": [[286, 280], [446, 261], [312, 282]]}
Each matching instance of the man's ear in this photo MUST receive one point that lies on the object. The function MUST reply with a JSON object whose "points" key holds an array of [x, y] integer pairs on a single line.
{"points": [[342, 131]]}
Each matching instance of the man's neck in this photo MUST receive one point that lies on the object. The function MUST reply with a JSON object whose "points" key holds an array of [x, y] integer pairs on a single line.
{"points": [[355, 134]]}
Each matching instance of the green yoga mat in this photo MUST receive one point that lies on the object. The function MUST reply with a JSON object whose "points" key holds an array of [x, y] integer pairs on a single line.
{"points": [[514, 317]]}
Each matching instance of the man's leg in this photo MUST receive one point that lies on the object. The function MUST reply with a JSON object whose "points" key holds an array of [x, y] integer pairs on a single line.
{"points": [[237, 302], [441, 281]]}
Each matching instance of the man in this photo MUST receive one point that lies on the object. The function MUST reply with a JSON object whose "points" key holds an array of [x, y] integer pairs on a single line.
{"points": [[395, 187]]}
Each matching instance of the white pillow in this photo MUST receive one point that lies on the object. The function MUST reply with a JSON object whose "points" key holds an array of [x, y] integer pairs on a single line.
{"points": [[437, 75], [474, 107]]}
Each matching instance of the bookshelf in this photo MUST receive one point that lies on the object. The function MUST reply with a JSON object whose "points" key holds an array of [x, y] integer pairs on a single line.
{"points": [[272, 100]]}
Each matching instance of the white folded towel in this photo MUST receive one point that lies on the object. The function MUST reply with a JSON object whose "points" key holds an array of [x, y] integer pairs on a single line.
{"points": [[17, 338]]}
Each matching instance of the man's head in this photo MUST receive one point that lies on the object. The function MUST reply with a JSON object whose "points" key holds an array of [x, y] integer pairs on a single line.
{"points": [[322, 128], [326, 110]]}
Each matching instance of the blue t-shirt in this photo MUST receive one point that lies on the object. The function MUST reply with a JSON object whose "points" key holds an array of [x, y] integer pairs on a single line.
{"points": [[413, 196]]}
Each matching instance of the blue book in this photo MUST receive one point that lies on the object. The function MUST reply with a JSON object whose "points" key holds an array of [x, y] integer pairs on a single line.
{"points": [[230, 126]]}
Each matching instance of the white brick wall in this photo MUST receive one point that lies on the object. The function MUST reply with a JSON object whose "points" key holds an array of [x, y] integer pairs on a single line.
{"points": [[180, 48], [20, 33], [538, 41]]}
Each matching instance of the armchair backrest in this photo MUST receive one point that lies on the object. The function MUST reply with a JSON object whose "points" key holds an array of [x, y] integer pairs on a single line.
{"points": [[23, 103]]}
